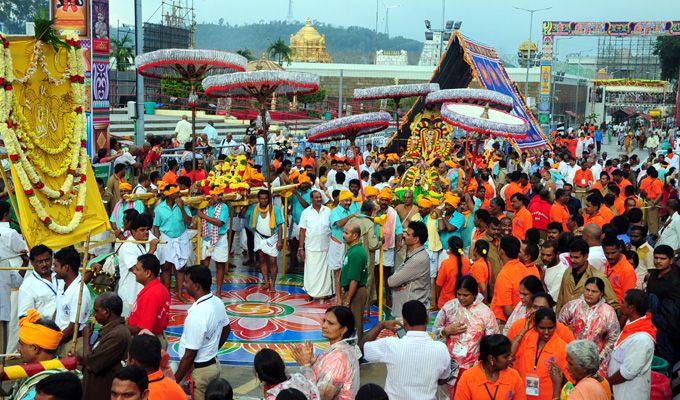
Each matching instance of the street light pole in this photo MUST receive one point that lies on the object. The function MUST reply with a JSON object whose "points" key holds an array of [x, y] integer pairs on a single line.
{"points": [[441, 35], [531, 22]]}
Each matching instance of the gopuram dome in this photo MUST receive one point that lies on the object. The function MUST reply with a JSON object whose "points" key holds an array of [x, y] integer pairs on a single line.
{"points": [[308, 45]]}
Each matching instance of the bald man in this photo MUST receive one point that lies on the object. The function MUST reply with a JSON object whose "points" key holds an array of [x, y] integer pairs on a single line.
{"points": [[354, 274], [592, 234]]}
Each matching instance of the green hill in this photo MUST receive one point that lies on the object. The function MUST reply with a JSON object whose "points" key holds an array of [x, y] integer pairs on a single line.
{"points": [[346, 45]]}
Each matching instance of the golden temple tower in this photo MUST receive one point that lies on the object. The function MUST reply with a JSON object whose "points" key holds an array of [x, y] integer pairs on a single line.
{"points": [[308, 45]]}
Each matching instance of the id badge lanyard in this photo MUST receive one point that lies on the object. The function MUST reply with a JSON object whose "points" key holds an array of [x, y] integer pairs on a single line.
{"points": [[532, 383]]}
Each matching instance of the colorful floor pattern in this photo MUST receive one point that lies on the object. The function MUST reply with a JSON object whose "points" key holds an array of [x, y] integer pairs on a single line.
{"points": [[259, 319]]}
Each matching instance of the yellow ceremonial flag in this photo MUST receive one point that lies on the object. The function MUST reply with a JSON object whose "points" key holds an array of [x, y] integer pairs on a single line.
{"points": [[47, 103]]}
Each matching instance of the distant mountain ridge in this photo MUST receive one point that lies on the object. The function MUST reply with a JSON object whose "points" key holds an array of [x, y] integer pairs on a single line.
{"points": [[345, 44]]}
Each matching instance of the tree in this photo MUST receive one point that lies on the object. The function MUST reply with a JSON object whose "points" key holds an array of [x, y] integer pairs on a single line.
{"points": [[311, 98], [668, 50], [121, 52], [247, 53], [221, 21], [280, 51], [15, 13], [175, 88]]}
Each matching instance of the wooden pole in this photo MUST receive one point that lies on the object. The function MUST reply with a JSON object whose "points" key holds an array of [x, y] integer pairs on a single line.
{"points": [[198, 240], [285, 235], [230, 234], [381, 282], [10, 193], [76, 326]]}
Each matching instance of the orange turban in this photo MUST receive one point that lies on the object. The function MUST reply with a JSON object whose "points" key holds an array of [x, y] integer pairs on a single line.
{"points": [[393, 157], [125, 186], [385, 193], [424, 202], [293, 174], [303, 178], [453, 200], [370, 191], [346, 194], [161, 185], [170, 190], [38, 335]]}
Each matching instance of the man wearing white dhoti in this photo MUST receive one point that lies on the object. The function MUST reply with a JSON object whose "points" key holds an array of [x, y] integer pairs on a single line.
{"points": [[13, 250], [265, 220], [315, 237], [170, 225], [214, 231], [128, 252], [340, 215]]}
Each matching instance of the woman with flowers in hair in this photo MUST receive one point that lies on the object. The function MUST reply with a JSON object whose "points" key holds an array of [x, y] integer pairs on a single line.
{"points": [[170, 225], [451, 270], [38, 341], [461, 323]]}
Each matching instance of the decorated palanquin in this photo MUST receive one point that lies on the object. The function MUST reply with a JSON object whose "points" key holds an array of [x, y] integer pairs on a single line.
{"points": [[43, 126]]}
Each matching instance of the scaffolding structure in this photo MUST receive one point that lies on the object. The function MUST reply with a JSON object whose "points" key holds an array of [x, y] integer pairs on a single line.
{"points": [[629, 57]]}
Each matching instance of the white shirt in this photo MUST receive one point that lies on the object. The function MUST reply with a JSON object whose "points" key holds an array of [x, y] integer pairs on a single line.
{"points": [[125, 158], [414, 364], [553, 278], [571, 172], [183, 131], [351, 174], [330, 177], [41, 294], [128, 287], [597, 259], [231, 149], [596, 169], [317, 228], [139, 189], [203, 327], [11, 243], [211, 133], [670, 232], [67, 304], [633, 358]]}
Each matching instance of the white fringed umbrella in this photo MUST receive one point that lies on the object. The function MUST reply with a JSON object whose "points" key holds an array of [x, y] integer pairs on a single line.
{"points": [[471, 96], [191, 65], [261, 85]]}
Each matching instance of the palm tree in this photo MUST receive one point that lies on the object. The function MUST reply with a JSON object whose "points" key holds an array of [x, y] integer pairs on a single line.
{"points": [[247, 53], [121, 52], [279, 50]]}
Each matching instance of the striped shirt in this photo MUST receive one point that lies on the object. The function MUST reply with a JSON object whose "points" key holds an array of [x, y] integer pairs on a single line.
{"points": [[414, 364]]}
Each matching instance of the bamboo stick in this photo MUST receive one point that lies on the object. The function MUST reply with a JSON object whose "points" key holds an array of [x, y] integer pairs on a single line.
{"points": [[285, 235], [199, 239], [76, 326], [381, 283], [10, 194], [10, 355], [230, 234]]}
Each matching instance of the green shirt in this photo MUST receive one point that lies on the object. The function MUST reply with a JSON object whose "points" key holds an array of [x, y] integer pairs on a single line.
{"points": [[354, 267]]}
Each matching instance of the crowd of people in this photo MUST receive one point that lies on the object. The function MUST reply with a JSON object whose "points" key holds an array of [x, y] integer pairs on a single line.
{"points": [[524, 275]]}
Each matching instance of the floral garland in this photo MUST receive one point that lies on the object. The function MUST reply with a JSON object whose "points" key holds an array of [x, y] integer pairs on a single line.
{"points": [[38, 58], [21, 142]]}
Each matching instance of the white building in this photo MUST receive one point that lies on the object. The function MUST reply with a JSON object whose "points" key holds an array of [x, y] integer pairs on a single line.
{"points": [[388, 57]]}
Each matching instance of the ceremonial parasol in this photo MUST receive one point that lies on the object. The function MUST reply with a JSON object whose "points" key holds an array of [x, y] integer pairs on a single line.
{"points": [[471, 96], [261, 85], [190, 65], [396, 93], [463, 108]]}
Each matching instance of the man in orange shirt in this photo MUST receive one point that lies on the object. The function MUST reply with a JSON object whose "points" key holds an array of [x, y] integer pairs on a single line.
{"points": [[145, 352], [513, 187], [522, 221], [308, 158], [592, 213], [602, 185], [617, 177], [651, 189], [506, 288], [620, 201], [170, 177], [559, 211], [620, 273], [583, 178]]}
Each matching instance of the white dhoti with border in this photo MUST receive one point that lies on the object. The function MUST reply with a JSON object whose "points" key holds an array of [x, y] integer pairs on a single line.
{"points": [[218, 252], [318, 278], [336, 253], [176, 250], [435, 261], [294, 232], [388, 258]]}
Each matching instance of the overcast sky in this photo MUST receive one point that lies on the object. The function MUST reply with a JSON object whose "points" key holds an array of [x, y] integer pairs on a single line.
{"points": [[494, 22]]}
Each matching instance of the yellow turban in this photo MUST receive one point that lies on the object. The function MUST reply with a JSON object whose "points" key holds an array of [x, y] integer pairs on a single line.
{"points": [[293, 174], [385, 193], [393, 157], [424, 202], [170, 190], [303, 178], [370, 191], [161, 185], [38, 335], [346, 194], [453, 200], [125, 186]]}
